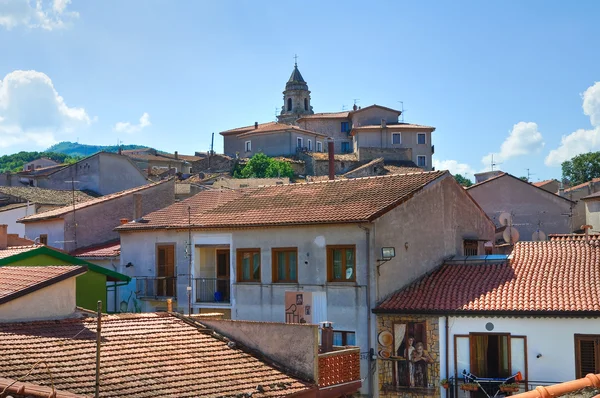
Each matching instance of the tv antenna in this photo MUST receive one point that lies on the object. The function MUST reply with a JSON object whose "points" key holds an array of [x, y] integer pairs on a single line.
{"points": [[529, 175], [538, 235], [492, 163], [276, 109], [72, 181], [343, 107], [510, 234]]}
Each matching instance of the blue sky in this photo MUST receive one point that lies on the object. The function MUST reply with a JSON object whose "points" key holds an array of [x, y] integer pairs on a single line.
{"points": [[514, 78]]}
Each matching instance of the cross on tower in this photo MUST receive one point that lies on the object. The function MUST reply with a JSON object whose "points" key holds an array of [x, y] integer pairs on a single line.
{"points": [[296, 60]]}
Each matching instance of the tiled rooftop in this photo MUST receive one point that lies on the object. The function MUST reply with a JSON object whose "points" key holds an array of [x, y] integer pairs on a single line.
{"points": [[542, 183], [328, 202], [142, 356], [17, 281], [47, 196], [573, 237], [112, 249], [14, 250], [326, 115], [54, 213], [275, 127], [541, 277], [400, 126], [582, 185]]}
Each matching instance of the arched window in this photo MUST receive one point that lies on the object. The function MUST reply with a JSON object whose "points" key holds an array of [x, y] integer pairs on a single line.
{"points": [[289, 104], [305, 104]]}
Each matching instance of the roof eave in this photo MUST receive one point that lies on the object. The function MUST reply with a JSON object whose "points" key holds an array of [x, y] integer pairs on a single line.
{"points": [[512, 313]]}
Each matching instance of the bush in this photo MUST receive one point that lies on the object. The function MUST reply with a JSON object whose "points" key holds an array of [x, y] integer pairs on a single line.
{"points": [[262, 166]]}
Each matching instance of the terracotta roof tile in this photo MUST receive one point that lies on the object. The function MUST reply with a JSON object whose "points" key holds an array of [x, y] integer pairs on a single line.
{"points": [[326, 115], [112, 249], [582, 185], [47, 196], [573, 237], [276, 127], [17, 281], [542, 183], [541, 277], [142, 356], [14, 250], [55, 213], [330, 202], [392, 126]]}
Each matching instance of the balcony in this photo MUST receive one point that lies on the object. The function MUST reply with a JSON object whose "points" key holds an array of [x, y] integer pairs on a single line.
{"points": [[340, 366], [159, 287], [212, 290]]}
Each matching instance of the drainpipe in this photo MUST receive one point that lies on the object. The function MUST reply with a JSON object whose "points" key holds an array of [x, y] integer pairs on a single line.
{"points": [[369, 333], [112, 263], [447, 351]]}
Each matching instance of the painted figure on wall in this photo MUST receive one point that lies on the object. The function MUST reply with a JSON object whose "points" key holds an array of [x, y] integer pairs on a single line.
{"points": [[410, 340]]}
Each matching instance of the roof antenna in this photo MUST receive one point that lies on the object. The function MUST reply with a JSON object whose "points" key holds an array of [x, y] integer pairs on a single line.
{"points": [[529, 175], [343, 108], [276, 109], [355, 107], [492, 163], [402, 110]]}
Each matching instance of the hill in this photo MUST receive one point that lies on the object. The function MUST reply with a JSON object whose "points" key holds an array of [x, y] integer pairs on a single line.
{"points": [[16, 161], [76, 149]]}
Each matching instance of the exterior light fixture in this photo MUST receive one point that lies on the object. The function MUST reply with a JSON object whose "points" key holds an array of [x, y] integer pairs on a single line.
{"points": [[387, 253]]}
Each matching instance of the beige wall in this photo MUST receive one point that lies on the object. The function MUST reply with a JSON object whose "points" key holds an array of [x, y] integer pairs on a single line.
{"points": [[331, 128], [373, 116], [579, 211], [56, 301], [592, 214], [382, 138], [235, 183]]}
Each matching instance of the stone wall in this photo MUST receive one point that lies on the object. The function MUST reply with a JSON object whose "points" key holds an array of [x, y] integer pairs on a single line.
{"points": [[373, 168], [213, 162], [392, 154], [403, 336], [317, 164]]}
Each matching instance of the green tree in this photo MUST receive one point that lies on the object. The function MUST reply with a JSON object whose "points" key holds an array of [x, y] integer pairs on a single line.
{"points": [[524, 179], [262, 166], [581, 168], [464, 181]]}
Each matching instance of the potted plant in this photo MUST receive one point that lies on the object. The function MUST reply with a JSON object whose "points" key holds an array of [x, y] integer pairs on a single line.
{"points": [[444, 383], [469, 387], [509, 387]]}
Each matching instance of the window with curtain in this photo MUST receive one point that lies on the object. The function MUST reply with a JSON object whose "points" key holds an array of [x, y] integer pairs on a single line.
{"points": [[341, 263], [342, 338], [248, 265], [285, 265], [489, 354]]}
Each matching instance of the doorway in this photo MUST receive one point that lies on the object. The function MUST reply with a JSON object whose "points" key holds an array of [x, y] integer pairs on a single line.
{"points": [[223, 276]]}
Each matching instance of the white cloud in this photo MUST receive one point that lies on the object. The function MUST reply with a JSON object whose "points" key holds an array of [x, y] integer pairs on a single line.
{"points": [[42, 14], [31, 111], [454, 167], [126, 127], [524, 139], [580, 141]]}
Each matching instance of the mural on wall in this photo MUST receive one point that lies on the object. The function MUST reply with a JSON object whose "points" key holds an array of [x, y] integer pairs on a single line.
{"points": [[410, 340]]}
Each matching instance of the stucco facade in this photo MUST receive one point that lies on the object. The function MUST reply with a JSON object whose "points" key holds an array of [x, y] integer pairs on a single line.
{"points": [[10, 214], [280, 143], [592, 213], [576, 194], [331, 127]]}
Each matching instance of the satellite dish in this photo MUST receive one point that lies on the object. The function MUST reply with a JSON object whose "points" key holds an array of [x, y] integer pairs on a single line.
{"points": [[505, 219], [510, 235], [538, 236]]}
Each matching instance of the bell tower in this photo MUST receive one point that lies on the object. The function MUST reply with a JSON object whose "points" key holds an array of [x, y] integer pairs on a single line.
{"points": [[296, 98]]}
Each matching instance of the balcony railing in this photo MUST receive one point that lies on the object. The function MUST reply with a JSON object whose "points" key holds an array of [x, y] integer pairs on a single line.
{"points": [[339, 366], [212, 290], [156, 287]]}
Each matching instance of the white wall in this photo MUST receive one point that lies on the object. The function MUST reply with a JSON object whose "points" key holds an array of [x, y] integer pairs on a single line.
{"points": [[10, 217], [53, 302], [552, 337], [54, 229]]}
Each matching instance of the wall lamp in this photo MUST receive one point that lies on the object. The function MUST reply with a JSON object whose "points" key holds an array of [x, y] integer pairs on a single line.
{"points": [[387, 253], [128, 265]]}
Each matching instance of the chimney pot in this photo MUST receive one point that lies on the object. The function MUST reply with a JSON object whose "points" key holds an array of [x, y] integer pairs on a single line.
{"points": [[123, 221], [169, 305], [326, 337], [383, 123], [137, 206], [354, 107], [176, 155], [331, 158], [3, 236], [255, 125]]}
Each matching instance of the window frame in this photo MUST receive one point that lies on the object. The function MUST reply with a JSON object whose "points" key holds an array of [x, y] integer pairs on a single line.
{"points": [[508, 348], [319, 146], [275, 264], [399, 134], [344, 127], [577, 337], [289, 104], [238, 260], [424, 160], [424, 138], [470, 242], [343, 144], [43, 239], [248, 146], [345, 334], [309, 145], [330, 249], [299, 140]]}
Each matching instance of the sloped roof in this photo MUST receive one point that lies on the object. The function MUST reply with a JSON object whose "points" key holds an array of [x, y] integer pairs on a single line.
{"points": [[277, 127], [592, 196], [143, 356], [393, 126], [14, 250], [48, 196], [495, 178], [56, 213], [584, 184], [296, 76], [542, 183], [326, 115], [17, 282], [573, 237], [375, 106], [328, 202], [555, 277], [20, 388], [239, 130], [111, 249]]}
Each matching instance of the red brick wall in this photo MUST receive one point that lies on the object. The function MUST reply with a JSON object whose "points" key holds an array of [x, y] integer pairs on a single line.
{"points": [[337, 368]]}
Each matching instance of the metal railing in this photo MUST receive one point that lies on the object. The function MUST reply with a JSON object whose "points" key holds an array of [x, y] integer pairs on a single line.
{"points": [[156, 287], [212, 290]]}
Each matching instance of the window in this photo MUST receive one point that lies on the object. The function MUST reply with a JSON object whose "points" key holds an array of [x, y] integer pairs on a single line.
{"points": [[248, 265], [587, 354], [421, 138], [421, 161], [248, 146], [470, 247], [289, 101], [285, 264], [341, 263], [345, 127], [346, 147], [319, 146], [490, 355], [305, 104], [165, 270], [44, 240], [341, 338], [299, 142], [396, 138], [309, 143]]}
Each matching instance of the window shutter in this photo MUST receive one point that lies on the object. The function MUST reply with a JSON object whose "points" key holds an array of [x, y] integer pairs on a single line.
{"points": [[588, 356]]}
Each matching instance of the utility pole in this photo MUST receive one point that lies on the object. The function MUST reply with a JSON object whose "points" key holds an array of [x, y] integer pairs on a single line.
{"points": [[189, 287]]}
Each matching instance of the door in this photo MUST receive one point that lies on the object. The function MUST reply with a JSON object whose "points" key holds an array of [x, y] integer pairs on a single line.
{"points": [[165, 264], [223, 279]]}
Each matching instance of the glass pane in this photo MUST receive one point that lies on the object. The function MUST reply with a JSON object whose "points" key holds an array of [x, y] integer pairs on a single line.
{"points": [[256, 266], [503, 354], [350, 338], [293, 266], [337, 264], [245, 266], [349, 263], [337, 338], [462, 354], [281, 274], [517, 355]]}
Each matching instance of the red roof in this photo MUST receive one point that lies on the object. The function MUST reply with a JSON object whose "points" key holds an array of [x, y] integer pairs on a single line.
{"points": [[573, 237], [327, 202], [111, 249], [142, 356], [14, 250], [556, 277], [542, 183], [585, 184], [16, 282]]}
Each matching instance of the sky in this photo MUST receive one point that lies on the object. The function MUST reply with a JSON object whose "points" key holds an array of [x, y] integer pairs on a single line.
{"points": [[512, 79]]}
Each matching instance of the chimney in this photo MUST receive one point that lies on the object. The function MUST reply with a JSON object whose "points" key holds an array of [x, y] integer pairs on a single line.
{"points": [[383, 123], [331, 159], [354, 107], [169, 305], [137, 206], [123, 221], [326, 337], [586, 229], [3, 236], [119, 150], [149, 171], [176, 155], [255, 125]]}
